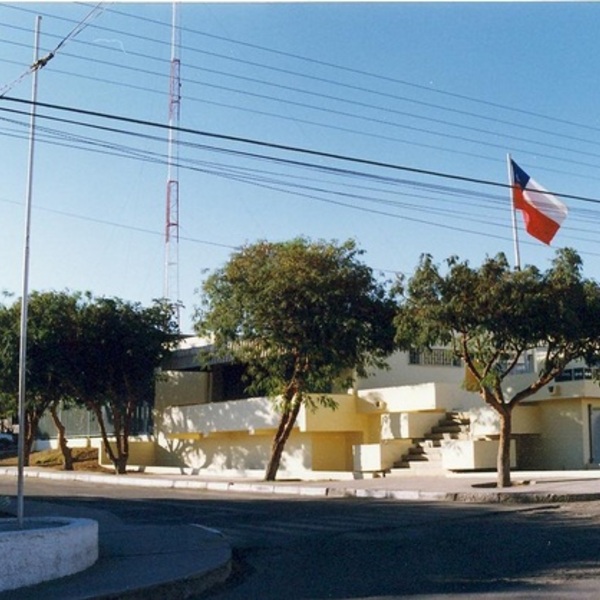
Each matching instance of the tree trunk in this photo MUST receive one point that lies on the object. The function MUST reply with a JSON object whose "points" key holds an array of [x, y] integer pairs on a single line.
{"points": [[286, 424], [120, 423], [504, 447], [29, 430], [121, 464], [97, 410], [62, 439]]}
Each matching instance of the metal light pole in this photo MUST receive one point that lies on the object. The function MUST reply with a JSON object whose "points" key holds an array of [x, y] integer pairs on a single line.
{"points": [[25, 288]]}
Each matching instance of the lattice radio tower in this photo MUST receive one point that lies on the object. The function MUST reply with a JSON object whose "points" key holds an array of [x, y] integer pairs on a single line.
{"points": [[171, 276]]}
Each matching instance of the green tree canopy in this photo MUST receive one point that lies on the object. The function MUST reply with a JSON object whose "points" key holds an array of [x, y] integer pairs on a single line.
{"points": [[51, 338], [300, 315], [101, 352], [492, 315], [120, 347]]}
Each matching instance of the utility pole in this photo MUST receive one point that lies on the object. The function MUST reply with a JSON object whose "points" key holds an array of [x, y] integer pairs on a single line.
{"points": [[25, 287], [171, 275]]}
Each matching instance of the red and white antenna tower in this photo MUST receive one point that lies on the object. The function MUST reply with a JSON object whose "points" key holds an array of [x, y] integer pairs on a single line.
{"points": [[171, 280]]}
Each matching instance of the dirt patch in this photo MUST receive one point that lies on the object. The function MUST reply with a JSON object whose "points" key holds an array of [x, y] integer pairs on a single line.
{"points": [[84, 459]]}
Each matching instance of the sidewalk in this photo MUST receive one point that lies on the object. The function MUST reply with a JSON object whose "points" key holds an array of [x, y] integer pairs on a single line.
{"points": [[169, 562]]}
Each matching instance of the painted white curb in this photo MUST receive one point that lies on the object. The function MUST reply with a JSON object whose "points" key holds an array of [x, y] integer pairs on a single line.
{"points": [[45, 548]]}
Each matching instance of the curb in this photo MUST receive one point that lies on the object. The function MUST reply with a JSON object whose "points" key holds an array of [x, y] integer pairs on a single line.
{"points": [[336, 491]]}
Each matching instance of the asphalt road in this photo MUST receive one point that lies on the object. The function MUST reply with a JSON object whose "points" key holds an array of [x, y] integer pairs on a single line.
{"points": [[299, 548]]}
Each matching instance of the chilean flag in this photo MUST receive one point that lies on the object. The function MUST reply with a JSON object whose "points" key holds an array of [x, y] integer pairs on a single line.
{"points": [[543, 213]]}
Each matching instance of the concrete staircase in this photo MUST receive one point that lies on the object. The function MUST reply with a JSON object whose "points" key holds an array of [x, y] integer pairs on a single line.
{"points": [[424, 457]]}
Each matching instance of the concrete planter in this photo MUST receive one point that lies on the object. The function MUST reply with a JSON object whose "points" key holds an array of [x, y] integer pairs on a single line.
{"points": [[45, 548]]}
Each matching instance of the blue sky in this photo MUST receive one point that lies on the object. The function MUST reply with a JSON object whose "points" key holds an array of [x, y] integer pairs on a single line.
{"points": [[445, 88]]}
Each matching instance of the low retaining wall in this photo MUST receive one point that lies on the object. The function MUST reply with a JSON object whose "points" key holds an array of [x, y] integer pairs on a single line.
{"points": [[45, 548]]}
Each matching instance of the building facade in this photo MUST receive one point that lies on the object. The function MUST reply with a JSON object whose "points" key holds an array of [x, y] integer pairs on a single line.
{"points": [[416, 415]]}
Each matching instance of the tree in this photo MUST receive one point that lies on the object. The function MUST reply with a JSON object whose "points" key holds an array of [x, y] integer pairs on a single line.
{"points": [[300, 315], [492, 316], [51, 337], [119, 349]]}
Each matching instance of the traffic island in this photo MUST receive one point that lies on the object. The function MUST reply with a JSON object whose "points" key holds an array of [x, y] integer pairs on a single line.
{"points": [[45, 548]]}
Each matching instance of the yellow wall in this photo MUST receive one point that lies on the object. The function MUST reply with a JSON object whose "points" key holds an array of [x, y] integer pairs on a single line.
{"points": [[333, 452], [239, 452], [378, 457], [344, 418], [141, 452], [564, 426], [473, 454]]}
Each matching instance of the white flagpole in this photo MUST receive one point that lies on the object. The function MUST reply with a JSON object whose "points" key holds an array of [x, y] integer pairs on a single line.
{"points": [[513, 213], [25, 288]]}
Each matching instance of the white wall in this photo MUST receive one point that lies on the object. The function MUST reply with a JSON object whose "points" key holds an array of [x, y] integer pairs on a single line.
{"points": [[458, 455], [425, 396], [408, 425], [401, 373], [254, 414]]}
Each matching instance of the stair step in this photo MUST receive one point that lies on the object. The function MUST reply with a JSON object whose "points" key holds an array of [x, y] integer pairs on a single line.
{"points": [[447, 429], [424, 457], [425, 444], [431, 453], [419, 466], [449, 436], [415, 458]]}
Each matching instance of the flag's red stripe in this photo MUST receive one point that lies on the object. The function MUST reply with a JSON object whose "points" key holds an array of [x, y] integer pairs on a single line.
{"points": [[537, 223]]}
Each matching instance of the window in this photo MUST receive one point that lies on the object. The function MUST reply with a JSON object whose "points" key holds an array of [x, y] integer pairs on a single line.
{"points": [[436, 357]]}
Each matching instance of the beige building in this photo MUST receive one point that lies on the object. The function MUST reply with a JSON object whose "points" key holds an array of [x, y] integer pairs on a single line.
{"points": [[416, 415]]}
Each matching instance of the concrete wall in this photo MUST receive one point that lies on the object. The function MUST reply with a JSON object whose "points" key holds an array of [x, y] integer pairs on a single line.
{"points": [[255, 415], [333, 451], [141, 452], [252, 415], [402, 373], [46, 548], [408, 425], [563, 442], [584, 388], [344, 418], [390, 405], [235, 436], [425, 396], [459, 455], [485, 421], [379, 457], [240, 453]]}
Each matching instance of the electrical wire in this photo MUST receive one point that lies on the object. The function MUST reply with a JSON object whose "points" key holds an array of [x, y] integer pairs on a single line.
{"points": [[278, 147], [349, 86], [313, 191], [42, 62]]}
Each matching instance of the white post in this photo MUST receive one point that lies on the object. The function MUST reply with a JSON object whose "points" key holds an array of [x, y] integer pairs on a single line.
{"points": [[25, 288], [513, 213]]}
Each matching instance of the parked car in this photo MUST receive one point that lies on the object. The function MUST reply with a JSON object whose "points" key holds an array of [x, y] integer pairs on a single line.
{"points": [[7, 440]]}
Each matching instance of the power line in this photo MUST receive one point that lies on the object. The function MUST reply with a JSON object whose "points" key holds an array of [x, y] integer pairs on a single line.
{"points": [[42, 62], [297, 190], [355, 71], [345, 100], [281, 147], [388, 123], [328, 81], [135, 228]]}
